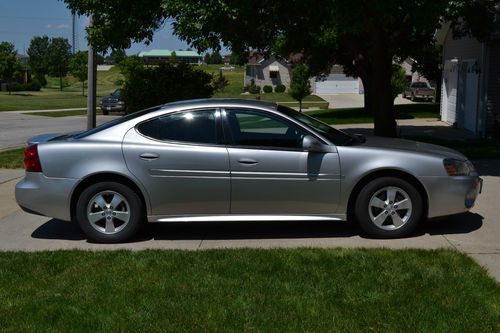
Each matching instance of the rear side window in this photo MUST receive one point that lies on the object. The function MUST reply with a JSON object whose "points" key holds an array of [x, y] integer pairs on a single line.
{"points": [[188, 126]]}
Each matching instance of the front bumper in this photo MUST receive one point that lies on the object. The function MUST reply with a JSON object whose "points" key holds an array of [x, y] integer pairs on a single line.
{"points": [[112, 107], [451, 195], [38, 194]]}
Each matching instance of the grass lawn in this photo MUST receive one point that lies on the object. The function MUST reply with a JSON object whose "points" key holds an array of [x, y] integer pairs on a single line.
{"points": [[358, 115], [12, 159], [294, 290], [51, 98]]}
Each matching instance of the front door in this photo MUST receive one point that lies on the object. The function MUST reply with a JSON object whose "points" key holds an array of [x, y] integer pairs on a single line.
{"points": [[180, 160], [270, 172]]}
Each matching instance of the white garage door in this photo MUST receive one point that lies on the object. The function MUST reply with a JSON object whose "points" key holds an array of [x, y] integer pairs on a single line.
{"points": [[338, 84], [449, 92]]}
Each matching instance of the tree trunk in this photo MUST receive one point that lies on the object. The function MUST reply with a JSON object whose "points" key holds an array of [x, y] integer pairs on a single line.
{"points": [[60, 82], [380, 99], [300, 105], [366, 96], [83, 88]]}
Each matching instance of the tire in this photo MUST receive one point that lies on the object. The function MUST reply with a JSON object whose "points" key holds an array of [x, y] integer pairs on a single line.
{"points": [[377, 210], [103, 223], [412, 98], [105, 112]]}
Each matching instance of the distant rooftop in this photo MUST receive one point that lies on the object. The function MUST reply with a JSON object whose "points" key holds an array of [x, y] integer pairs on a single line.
{"points": [[168, 53]]}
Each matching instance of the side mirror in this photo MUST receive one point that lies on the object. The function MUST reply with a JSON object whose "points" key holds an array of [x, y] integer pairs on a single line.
{"points": [[313, 145]]}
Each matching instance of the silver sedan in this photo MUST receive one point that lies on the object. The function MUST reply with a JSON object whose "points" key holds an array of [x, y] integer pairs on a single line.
{"points": [[236, 160]]}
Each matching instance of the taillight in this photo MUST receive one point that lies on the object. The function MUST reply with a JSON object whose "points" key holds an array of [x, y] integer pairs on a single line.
{"points": [[31, 159]]}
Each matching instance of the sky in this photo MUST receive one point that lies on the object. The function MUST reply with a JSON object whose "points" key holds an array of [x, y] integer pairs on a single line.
{"points": [[20, 20]]}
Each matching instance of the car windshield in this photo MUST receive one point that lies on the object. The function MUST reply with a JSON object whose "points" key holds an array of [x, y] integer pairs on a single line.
{"points": [[116, 121], [419, 85], [116, 93], [337, 137]]}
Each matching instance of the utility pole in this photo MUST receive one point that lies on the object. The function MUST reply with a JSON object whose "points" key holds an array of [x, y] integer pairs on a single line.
{"points": [[91, 82]]}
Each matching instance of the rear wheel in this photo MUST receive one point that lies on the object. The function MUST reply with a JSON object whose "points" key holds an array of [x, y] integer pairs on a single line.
{"points": [[388, 208], [109, 212], [105, 112]]}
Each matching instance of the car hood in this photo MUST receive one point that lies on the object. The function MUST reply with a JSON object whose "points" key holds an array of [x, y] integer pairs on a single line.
{"points": [[47, 137], [409, 145]]}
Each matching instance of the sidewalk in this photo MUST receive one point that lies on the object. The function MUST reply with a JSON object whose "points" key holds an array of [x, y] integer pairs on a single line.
{"points": [[45, 110]]}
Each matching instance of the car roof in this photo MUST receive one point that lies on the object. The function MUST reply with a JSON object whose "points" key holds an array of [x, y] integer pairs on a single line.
{"points": [[220, 102]]}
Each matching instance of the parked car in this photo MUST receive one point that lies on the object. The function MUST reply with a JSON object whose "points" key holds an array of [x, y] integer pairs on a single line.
{"points": [[238, 160], [113, 102], [419, 90]]}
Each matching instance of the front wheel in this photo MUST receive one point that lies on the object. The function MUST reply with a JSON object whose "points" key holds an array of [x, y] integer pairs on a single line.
{"points": [[109, 212], [388, 208]]}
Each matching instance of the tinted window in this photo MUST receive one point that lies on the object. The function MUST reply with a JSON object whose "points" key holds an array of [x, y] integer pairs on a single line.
{"points": [[419, 85], [251, 128], [189, 126], [333, 135]]}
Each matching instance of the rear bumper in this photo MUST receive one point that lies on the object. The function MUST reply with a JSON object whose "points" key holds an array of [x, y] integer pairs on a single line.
{"points": [[451, 195], [47, 196]]}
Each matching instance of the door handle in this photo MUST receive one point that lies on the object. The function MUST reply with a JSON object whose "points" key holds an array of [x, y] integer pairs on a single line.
{"points": [[247, 161], [149, 156]]}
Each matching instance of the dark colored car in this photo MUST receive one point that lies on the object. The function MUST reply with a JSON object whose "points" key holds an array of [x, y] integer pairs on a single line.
{"points": [[113, 102]]}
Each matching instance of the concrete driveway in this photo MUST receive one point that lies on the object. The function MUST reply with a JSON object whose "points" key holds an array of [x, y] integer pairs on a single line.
{"points": [[476, 233]]}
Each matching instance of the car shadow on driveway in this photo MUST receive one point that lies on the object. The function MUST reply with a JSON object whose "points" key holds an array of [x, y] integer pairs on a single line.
{"points": [[456, 224]]}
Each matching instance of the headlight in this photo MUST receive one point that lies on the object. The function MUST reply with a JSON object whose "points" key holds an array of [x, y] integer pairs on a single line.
{"points": [[458, 168], [121, 102]]}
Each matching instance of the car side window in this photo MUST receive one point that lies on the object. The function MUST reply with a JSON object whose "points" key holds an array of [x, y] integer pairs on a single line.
{"points": [[187, 126], [257, 129]]}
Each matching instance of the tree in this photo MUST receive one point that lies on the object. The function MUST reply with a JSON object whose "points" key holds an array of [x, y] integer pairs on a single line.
{"points": [[37, 52], [238, 58], [78, 67], [220, 82], [398, 81], [130, 64], [115, 57], [364, 36], [213, 58], [300, 86], [149, 86], [10, 67], [58, 54]]}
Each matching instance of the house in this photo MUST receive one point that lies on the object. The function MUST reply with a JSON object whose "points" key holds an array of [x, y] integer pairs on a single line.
{"points": [[470, 97], [267, 71], [154, 57], [336, 82]]}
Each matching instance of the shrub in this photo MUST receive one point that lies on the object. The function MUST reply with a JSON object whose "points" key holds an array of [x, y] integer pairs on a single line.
{"points": [[149, 86], [254, 89], [280, 88], [32, 86], [267, 89], [119, 82]]}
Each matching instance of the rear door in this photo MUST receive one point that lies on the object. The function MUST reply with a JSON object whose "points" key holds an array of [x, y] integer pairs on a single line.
{"points": [[270, 172], [181, 161]]}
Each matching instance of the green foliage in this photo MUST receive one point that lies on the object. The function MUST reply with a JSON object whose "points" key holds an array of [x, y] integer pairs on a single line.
{"points": [[238, 59], [119, 82], [213, 58], [362, 36], [78, 67], [37, 52], [10, 67], [149, 86], [115, 57], [398, 80], [220, 82], [280, 88], [253, 89], [130, 65], [267, 89], [34, 85], [300, 86], [58, 55]]}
